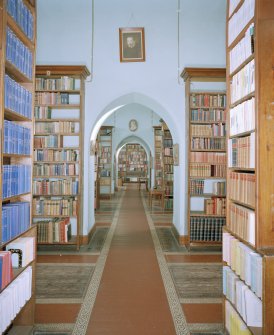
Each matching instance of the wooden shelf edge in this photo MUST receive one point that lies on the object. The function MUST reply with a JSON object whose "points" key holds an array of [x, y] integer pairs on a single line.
{"points": [[59, 70], [194, 73]]}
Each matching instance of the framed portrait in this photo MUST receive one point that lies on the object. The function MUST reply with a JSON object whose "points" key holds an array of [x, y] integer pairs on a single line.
{"points": [[132, 44]]}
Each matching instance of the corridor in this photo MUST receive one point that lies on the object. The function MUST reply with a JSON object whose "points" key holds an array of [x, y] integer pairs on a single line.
{"points": [[129, 278]]}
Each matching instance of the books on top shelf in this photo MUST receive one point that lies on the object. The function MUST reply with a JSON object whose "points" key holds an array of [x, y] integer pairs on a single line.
{"points": [[63, 83], [207, 100], [6, 273], [18, 54], [22, 250], [14, 297], [22, 16], [241, 152], [240, 19], [15, 219], [243, 82], [17, 98], [242, 117]]}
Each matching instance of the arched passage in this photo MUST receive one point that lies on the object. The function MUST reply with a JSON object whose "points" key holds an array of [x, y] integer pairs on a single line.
{"points": [[179, 173]]}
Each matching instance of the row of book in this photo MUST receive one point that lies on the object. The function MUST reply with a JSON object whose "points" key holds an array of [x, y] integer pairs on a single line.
{"points": [[18, 54], [17, 98], [207, 170], [168, 190], [50, 141], [242, 117], [6, 273], [233, 322], [242, 222], [169, 176], [55, 187], [242, 187], [16, 180], [167, 143], [54, 231], [168, 203], [201, 143], [207, 100], [57, 206], [216, 129], [42, 112], [206, 229], [63, 83], [15, 219], [60, 169], [240, 19], [243, 82], [208, 157], [247, 304], [168, 160], [241, 152], [17, 139], [169, 168], [215, 206], [104, 150], [105, 173], [168, 151], [246, 263], [244, 49], [68, 155], [197, 187], [22, 250], [56, 98], [22, 16], [233, 5], [14, 297], [208, 115], [57, 127]]}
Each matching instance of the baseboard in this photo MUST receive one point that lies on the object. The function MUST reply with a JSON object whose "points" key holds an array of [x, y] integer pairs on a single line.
{"points": [[85, 239], [182, 239]]}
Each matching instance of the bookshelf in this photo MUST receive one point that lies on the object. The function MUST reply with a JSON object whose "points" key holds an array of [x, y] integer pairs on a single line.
{"points": [[96, 177], [158, 157], [58, 153], [122, 164], [105, 161], [17, 234], [168, 166], [248, 295], [206, 116]]}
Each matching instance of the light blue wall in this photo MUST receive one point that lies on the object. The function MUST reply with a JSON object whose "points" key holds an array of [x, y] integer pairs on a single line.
{"points": [[64, 37]]}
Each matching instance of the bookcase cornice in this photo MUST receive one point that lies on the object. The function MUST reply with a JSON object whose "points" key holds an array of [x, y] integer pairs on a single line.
{"points": [[80, 70], [199, 74]]}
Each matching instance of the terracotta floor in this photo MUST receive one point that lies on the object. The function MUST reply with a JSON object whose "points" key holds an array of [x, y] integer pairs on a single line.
{"points": [[131, 298]]}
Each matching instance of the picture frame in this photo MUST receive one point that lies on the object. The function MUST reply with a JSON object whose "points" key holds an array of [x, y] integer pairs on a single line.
{"points": [[132, 44]]}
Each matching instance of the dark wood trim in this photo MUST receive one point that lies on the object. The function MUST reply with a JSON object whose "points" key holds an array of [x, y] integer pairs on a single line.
{"points": [[51, 70], [194, 73]]}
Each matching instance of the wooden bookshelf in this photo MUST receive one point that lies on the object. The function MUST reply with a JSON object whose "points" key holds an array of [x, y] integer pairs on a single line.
{"points": [[250, 141], [105, 161], [16, 131], [158, 157], [168, 166], [96, 177], [58, 153], [206, 117]]}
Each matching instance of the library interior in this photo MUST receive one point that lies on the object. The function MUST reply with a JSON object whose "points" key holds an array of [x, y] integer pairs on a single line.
{"points": [[137, 149]]}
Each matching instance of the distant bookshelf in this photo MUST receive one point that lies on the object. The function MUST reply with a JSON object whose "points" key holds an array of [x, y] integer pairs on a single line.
{"points": [[58, 157], [206, 113], [158, 157]]}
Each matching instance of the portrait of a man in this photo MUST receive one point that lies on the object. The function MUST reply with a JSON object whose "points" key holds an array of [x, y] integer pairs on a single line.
{"points": [[132, 47]]}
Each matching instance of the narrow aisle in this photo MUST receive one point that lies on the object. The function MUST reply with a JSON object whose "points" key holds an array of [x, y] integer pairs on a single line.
{"points": [[131, 298]]}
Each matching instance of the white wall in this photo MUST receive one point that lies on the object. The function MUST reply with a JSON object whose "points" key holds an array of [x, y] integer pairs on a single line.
{"points": [[64, 37]]}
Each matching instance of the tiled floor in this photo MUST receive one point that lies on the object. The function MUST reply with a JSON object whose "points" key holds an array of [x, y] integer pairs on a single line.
{"points": [[131, 298]]}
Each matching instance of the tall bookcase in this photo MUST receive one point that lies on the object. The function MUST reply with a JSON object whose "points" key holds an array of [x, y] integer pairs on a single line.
{"points": [[168, 166], [96, 177], [248, 238], [17, 72], [206, 154], [58, 153], [105, 161], [158, 157]]}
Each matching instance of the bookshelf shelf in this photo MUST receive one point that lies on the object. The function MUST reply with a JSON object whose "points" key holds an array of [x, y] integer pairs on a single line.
{"points": [[16, 74], [13, 116], [249, 217], [62, 79], [206, 155], [15, 197]]}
